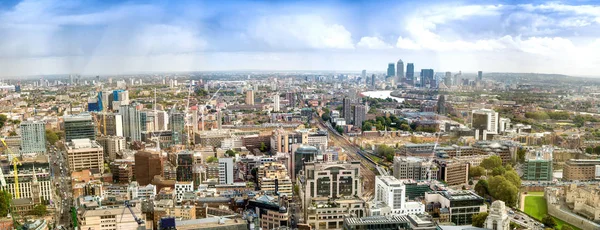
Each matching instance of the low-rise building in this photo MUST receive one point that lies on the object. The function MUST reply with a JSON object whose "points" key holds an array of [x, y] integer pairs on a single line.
{"points": [[538, 164], [116, 217], [582, 170], [461, 205]]}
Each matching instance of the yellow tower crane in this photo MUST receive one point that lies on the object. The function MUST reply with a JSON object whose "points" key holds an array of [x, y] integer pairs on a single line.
{"points": [[15, 162]]}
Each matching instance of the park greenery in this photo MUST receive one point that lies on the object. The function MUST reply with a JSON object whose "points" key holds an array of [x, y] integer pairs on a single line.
{"points": [[502, 182], [391, 121], [386, 151]]}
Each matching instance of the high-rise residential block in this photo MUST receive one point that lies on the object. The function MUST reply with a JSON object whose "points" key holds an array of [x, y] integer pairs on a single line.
{"points": [[276, 102], [360, 115], [250, 97], [132, 129], [347, 110], [33, 137]]}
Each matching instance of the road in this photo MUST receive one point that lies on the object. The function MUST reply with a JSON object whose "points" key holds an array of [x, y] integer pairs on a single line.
{"points": [[62, 186], [368, 168], [526, 221]]}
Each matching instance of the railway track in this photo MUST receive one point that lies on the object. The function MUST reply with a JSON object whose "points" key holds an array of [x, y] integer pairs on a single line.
{"points": [[353, 153]]}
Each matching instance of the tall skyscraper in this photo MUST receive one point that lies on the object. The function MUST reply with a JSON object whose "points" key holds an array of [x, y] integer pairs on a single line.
{"points": [[441, 105], [479, 75], [250, 97], [132, 127], [391, 71], [33, 137], [410, 73], [177, 127], [448, 79], [427, 80], [347, 110], [291, 98], [399, 71], [373, 80], [79, 126], [225, 170], [276, 102], [364, 74], [360, 114]]}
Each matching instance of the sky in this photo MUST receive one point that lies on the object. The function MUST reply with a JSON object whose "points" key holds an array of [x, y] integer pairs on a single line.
{"points": [[43, 37]]}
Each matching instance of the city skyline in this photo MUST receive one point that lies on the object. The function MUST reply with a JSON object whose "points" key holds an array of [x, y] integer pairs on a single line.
{"points": [[88, 38]]}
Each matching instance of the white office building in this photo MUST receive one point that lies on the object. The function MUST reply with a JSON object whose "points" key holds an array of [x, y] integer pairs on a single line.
{"points": [[392, 192], [484, 122], [225, 170]]}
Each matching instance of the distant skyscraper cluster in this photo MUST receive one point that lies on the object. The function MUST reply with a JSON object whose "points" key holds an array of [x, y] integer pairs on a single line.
{"points": [[427, 78]]}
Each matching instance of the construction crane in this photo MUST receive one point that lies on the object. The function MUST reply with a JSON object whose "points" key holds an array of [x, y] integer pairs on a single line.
{"points": [[139, 221], [15, 162]]}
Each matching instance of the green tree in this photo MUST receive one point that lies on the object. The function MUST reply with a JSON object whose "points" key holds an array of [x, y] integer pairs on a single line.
{"points": [[211, 159], [386, 151], [481, 188], [230, 153], [51, 136], [498, 171], [513, 177], [502, 189], [339, 129], [325, 117], [39, 210], [263, 147], [5, 199], [476, 171], [521, 155], [549, 222], [491, 162], [12, 133], [479, 219], [3, 120]]}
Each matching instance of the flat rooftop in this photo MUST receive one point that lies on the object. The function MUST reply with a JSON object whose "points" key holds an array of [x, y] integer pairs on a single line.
{"points": [[376, 220]]}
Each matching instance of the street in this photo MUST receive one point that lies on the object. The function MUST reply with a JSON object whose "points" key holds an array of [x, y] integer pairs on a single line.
{"points": [[62, 186]]}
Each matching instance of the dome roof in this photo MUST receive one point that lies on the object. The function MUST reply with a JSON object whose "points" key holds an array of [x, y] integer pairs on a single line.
{"points": [[307, 148]]}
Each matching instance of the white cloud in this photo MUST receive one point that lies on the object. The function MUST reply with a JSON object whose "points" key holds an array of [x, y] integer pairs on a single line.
{"points": [[372, 43], [300, 32], [406, 43]]}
